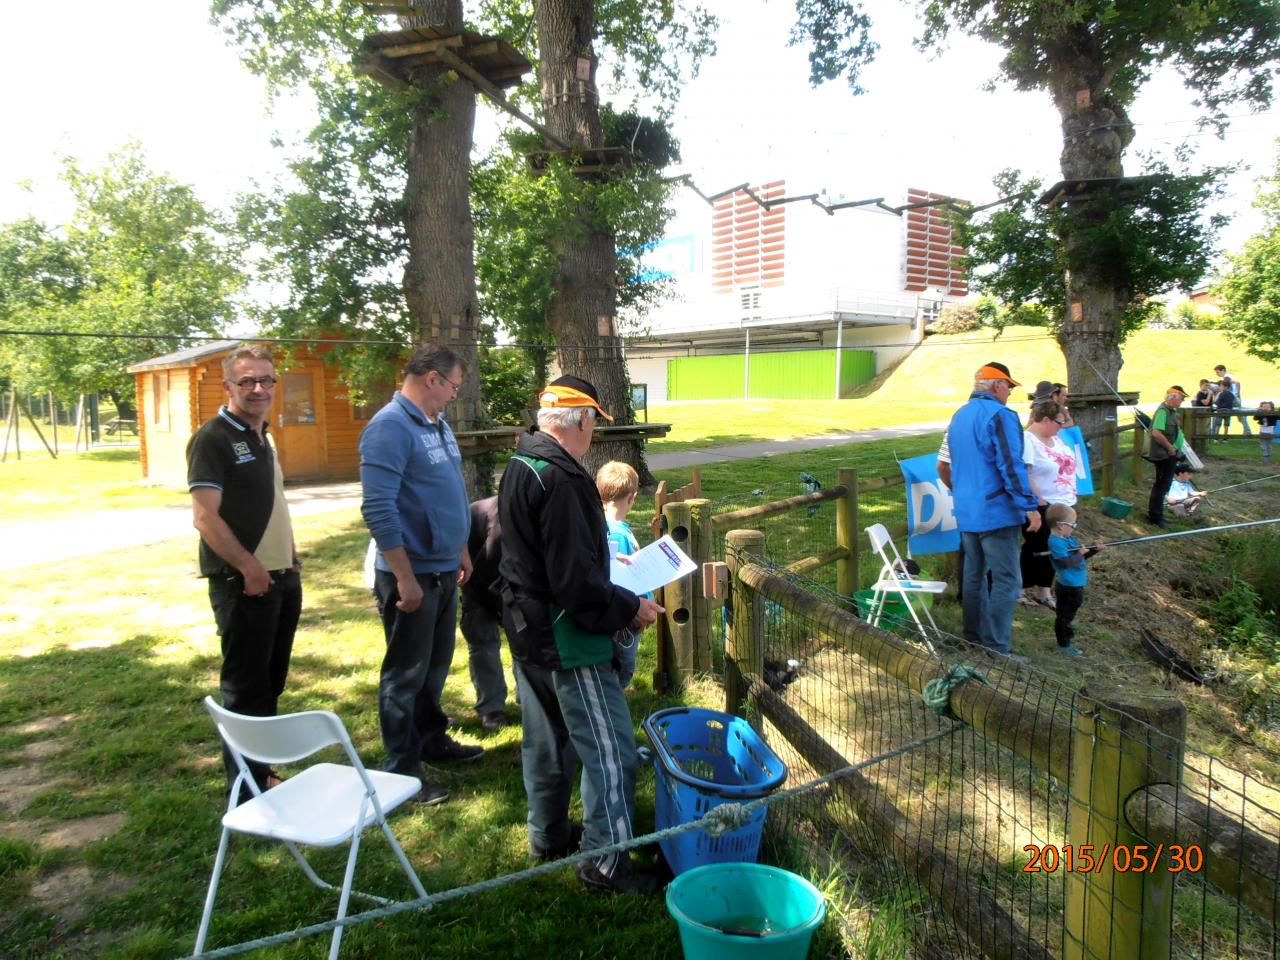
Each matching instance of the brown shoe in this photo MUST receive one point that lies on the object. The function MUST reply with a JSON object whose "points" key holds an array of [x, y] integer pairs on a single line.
{"points": [[494, 720]]}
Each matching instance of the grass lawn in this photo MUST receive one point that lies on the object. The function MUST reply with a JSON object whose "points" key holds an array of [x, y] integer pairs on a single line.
{"points": [[78, 483], [714, 423], [111, 786], [102, 736]]}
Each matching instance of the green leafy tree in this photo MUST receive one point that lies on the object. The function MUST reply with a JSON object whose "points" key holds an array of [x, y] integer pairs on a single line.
{"points": [[383, 186], [143, 264], [1092, 57], [1249, 292], [1139, 247]]}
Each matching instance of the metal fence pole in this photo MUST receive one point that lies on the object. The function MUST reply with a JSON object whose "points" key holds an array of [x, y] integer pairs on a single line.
{"points": [[743, 635]]}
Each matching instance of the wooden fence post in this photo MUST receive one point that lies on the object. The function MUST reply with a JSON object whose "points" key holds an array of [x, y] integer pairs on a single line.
{"points": [[1109, 450], [1138, 434], [1124, 907], [702, 548], [847, 532], [743, 635], [678, 597]]}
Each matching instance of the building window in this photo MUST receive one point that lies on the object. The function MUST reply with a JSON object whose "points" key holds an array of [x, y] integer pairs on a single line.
{"points": [[160, 401]]}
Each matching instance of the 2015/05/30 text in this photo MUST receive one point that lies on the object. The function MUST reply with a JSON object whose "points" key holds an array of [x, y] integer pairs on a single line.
{"points": [[1121, 857]]}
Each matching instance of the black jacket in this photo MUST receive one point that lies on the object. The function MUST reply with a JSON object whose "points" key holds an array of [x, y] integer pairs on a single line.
{"points": [[560, 609], [484, 544]]}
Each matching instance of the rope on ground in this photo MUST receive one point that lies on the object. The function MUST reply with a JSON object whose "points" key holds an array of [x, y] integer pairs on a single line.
{"points": [[937, 692], [727, 816]]}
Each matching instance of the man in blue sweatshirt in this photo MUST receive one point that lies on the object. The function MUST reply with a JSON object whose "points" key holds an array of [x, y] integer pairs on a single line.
{"points": [[993, 500], [415, 506]]}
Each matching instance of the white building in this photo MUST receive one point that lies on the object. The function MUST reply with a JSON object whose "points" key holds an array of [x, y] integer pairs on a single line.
{"points": [[758, 272]]}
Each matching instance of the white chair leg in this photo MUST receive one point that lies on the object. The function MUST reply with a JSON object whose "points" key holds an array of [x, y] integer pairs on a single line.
{"points": [[345, 896], [307, 868], [404, 861], [213, 891]]}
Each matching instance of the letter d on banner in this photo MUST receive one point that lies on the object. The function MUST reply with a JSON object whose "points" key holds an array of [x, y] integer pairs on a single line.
{"points": [[931, 521]]}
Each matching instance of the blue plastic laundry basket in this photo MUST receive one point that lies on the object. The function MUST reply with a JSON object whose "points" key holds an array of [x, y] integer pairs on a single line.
{"points": [[705, 758]]}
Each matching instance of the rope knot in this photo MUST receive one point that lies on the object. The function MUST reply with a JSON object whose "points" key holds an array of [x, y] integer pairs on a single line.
{"points": [[937, 692], [726, 817]]}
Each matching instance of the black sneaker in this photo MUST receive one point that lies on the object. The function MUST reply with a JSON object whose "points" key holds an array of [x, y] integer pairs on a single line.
{"points": [[566, 849], [1158, 521], [494, 720], [430, 794], [451, 750], [625, 878]]}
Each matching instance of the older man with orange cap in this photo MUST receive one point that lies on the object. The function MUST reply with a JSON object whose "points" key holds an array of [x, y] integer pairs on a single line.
{"points": [[993, 500], [560, 612]]}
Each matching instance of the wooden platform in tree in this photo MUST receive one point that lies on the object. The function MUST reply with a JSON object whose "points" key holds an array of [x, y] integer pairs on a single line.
{"points": [[474, 442], [390, 58], [584, 161], [1064, 191]]}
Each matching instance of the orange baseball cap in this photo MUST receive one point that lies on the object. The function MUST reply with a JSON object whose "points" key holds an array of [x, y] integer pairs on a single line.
{"points": [[996, 371], [570, 391]]}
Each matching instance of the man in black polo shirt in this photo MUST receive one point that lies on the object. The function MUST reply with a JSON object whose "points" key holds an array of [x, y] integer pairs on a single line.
{"points": [[246, 544]]}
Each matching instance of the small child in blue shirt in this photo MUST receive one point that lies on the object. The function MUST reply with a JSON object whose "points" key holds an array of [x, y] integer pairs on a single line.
{"points": [[618, 485], [1068, 559]]}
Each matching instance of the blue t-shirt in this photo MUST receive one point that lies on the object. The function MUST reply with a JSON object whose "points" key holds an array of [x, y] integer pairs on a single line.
{"points": [[619, 532], [1068, 560]]}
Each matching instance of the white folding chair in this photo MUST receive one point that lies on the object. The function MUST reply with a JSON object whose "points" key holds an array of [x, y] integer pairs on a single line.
{"points": [[325, 805], [895, 580]]}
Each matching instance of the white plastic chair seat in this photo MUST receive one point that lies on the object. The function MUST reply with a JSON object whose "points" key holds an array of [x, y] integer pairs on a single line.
{"points": [[911, 586], [319, 806]]}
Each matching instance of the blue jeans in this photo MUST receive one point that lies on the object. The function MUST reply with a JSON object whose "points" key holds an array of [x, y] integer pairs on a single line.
{"points": [[415, 667], [988, 616]]}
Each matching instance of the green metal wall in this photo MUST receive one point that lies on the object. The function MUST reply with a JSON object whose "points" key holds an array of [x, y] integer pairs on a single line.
{"points": [[794, 375]]}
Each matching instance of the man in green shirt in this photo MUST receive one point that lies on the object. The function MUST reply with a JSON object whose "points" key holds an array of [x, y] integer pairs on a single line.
{"points": [[1166, 440]]}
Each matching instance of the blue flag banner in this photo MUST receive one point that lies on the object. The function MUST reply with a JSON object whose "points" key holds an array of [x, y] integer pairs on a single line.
{"points": [[931, 519], [1074, 439]]}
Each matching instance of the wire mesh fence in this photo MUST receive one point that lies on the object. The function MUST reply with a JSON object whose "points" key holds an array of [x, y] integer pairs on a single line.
{"points": [[1048, 823]]}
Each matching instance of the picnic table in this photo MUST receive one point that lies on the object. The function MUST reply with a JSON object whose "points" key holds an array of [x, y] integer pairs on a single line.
{"points": [[116, 426]]}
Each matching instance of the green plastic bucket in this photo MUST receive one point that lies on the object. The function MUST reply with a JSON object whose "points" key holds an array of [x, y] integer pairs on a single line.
{"points": [[894, 611], [744, 910], [1116, 508]]}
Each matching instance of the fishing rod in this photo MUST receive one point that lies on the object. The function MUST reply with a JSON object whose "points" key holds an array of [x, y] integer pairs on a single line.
{"points": [[1179, 533], [1270, 476]]}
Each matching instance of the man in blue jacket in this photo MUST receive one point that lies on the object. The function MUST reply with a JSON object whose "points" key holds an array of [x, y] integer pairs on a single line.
{"points": [[415, 506], [993, 500]]}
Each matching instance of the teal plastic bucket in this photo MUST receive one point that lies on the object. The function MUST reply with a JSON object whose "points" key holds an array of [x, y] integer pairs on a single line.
{"points": [[747, 910]]}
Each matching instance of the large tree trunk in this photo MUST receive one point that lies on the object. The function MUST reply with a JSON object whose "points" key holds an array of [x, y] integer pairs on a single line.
{"points": [[1095, 133], [582, 315], [440, 279]]}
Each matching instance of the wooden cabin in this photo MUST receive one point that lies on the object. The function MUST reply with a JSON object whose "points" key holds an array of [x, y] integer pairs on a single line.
{"points": [[314, 425]]}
